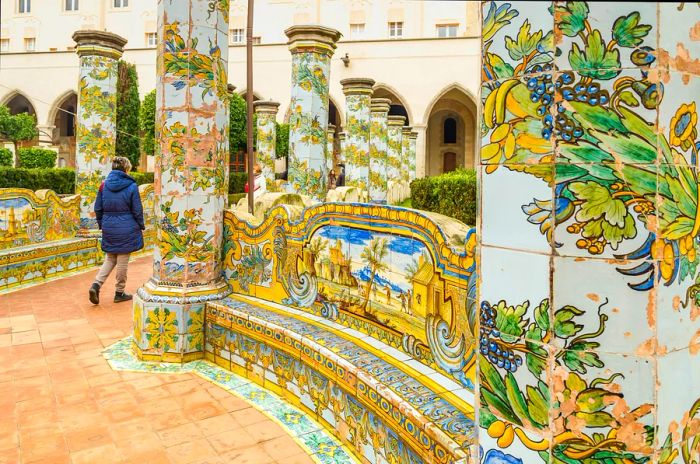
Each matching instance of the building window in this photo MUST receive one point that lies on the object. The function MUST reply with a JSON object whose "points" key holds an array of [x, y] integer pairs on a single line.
{"points": [[120, 3], [151, 39], [71, 5], [256, 40], [357, 31], [237, 36], [446, 30], [24, 6], [30, 44], [396, 30], [449, 131], [4, 45]]}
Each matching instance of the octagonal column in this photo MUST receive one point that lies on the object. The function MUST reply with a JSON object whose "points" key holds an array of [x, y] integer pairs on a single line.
{"points": [[330, 147], [393, 155], [267, 140], [97, 113], [358, 96], [413, 136], [191, 181], [405, 161], [312, 48], [377, 149]]}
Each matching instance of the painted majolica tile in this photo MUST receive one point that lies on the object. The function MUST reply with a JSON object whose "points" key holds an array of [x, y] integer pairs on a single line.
{"points": [[677, 318], [678, 34], [678, 118]]}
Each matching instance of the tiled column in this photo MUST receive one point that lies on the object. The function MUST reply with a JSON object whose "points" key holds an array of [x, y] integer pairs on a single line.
{"points": [[330, 144], [97, 112], [588, 293], [405, 161], [377, 150], [191, 181], [341, 142], [358, 94], [266, 140], [413, 136], [312, 48], [393, 156]]}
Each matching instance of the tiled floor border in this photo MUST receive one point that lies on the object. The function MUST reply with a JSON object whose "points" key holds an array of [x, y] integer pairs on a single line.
{"points": [[322, 447]]}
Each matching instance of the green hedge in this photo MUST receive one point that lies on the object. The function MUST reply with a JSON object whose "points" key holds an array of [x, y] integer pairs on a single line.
{"points": [[452, 194], [5, 157], [35, 157], [142, 177], [61, 181], [237, 182]]}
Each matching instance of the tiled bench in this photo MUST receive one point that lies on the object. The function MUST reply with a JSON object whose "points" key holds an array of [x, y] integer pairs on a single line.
{"points": [[39, 262], [383, 405]]}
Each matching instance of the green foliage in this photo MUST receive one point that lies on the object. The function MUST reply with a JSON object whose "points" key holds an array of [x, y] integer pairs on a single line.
{"points": [[147, 122], [234, 198], [35, 157], [16, 128], [142, 177], [128, 105], [282, 143], [61, 181], [452, 194], [237, 128], [5, 157], [237, 182]]}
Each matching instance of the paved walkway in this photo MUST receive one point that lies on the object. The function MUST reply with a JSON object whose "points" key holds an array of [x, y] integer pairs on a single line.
{"points": [[60, 402]]}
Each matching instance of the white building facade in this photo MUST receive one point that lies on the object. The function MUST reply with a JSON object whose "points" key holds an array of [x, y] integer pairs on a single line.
{"points": [[424, 56]]}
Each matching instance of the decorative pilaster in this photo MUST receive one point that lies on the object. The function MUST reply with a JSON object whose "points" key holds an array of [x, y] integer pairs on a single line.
{"points": [[377, 150], [587, 299], [413, 137], [312, 48], [97, 113], [358, 96], [393, 156], [191, 181], [266, 140], [330, 150]]}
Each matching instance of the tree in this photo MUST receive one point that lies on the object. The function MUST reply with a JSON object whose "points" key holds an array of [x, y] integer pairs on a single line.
{"points": [[282, 145], [128, 105], [237, 129], [147, 121], [373, 256], [17, 128]]}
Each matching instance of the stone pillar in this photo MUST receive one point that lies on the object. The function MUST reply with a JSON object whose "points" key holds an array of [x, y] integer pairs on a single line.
{"points": [[191, 181], [266, 112], [312, 48], [330, 151], [97, 112], [377, 149], [358, 95], [393, 156], [421, 155], [587, 297], [413, 136]]}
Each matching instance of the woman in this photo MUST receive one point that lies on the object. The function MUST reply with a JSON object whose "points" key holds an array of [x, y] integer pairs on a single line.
{"points": [[119, 214]]}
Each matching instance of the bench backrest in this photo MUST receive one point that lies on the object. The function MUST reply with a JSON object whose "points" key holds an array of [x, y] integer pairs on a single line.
{"points": [[28, 217], [399, 275]]}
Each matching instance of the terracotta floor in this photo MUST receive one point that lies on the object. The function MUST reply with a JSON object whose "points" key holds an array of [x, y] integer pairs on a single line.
{"points": [[61, 403]]}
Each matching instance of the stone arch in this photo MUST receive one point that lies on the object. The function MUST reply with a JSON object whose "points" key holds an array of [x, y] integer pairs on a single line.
{"points": [[457, 103], [398, 102], [63, 116], [18, 102], [336, 119], [256, 96]]}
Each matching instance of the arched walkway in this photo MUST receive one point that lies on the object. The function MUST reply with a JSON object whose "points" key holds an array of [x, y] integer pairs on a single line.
{"points": [[17, 102], [451, 131], [399, 106], [62, 117]]}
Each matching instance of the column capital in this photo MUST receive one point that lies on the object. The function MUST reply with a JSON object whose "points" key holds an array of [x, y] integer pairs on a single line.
{"points": [[101, 43], [406, 130], [380, 105], [413, 135], [311, 37], [331, 128], [357, 86], [395, 120], [342, 135], [269, 107]]}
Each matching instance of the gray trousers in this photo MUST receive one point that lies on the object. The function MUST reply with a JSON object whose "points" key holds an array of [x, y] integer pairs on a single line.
{"points": [[112, 260]]}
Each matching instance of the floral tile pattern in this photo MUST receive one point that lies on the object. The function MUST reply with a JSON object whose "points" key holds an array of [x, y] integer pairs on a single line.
{"points": [[378, 150], [358, 95]]}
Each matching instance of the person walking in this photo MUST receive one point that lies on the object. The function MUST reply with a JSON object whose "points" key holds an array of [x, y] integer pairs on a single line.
{"points": [[119, 214]]}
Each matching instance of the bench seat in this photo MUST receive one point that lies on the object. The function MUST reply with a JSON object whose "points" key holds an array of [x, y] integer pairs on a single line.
{"points": [[39, 262], [383, 405]]}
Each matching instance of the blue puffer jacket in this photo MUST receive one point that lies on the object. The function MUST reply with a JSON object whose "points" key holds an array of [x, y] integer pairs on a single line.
{"points": [[119, 214]]}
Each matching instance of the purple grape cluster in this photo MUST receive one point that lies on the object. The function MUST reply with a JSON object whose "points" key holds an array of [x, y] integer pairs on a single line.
{"points": [[490, 344]]}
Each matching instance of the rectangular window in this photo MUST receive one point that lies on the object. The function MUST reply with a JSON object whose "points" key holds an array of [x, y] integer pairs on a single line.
{"points": [[256, 40], [121, 3], [24, 6], [30, 44], [446, 30], [71, 5], [357, 31], [4, 45], [151, 39], [395, 30], [237, 36]]}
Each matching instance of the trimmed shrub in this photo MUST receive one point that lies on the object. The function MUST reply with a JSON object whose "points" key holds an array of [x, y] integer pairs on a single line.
{"points": [[35, 157], [234, 198], [282, 143], [147, 121], [452, 194], [142, 177], [61, 181], [237, 182], [5, 157], [128, 105]]}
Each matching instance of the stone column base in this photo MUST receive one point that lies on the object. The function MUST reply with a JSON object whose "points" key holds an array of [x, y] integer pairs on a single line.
{"points": [[168, 320]]}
